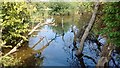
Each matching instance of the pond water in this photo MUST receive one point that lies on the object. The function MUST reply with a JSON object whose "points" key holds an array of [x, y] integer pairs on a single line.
{"points": [[60, 50]]}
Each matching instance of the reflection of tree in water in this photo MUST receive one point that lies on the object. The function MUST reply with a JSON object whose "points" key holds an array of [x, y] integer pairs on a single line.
{"points": [[69, 50], [72, 60], [59, 29], [33, 61], [27, 57]]}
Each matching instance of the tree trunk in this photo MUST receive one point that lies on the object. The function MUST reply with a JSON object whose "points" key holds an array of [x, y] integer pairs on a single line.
{"points": [[89, 27], [105, 55]]}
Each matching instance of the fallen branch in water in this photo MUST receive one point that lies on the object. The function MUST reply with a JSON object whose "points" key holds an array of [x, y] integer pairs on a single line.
{"points": [[34, 28], [19, 44], [87, 30], [14, 49], [38, 25], [41, 49], [37, 42]]}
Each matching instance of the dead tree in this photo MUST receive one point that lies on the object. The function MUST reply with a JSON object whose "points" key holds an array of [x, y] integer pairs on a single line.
{"points": [[87, 30]]}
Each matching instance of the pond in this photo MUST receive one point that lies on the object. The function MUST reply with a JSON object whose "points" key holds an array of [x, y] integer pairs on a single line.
{"points": [[56, 47], [60, 52]]}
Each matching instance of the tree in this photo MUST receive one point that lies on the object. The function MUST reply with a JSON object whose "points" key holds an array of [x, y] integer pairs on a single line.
{"points": [[87, 30], [110, 27], [15, 21], [111, 21], [59, 7]]}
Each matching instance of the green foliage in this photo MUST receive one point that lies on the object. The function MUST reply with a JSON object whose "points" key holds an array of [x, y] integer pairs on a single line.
{"points": [[9, 61], [111, 21], [85, 6], [59, 7], [15, 19], [66, 8]]}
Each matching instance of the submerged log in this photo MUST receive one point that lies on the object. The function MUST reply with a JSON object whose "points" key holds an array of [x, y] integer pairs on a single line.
{"points": [[87, 30]]}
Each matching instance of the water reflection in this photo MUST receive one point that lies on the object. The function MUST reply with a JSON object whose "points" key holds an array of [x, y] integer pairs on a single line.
{"points": [[60, 50], [61, 25], [27, 57]]}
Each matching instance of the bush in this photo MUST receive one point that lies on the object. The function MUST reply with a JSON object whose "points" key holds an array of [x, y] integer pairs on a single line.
{"points": [[111, 21], [15, 21]]}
